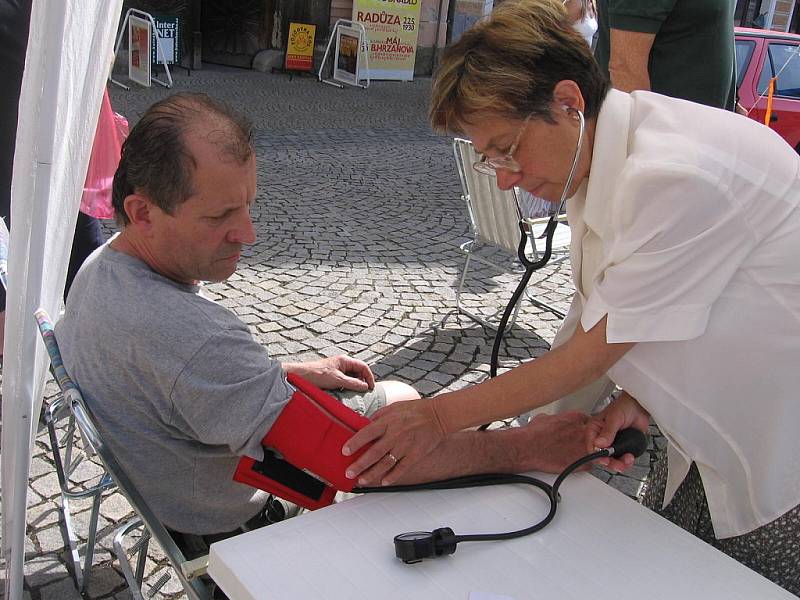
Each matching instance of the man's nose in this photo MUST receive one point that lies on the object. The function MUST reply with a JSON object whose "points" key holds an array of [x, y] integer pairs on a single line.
{"points": [[244, 232]]}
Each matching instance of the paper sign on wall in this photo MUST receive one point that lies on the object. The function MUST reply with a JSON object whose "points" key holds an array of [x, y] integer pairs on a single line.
{"points": [[392, 27]]}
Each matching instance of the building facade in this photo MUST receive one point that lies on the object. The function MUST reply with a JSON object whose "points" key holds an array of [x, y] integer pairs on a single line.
{"points": [[779, 15]]}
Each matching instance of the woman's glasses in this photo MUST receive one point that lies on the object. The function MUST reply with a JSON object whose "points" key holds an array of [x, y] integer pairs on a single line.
{"points": [[489, 166]]}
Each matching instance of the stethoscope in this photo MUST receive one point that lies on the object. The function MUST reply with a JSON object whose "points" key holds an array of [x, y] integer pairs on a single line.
{"points": [[414, 546], [531, 266]]}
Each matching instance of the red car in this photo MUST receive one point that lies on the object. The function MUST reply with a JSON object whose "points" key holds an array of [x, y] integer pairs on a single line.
{"points": [[760, 55]]}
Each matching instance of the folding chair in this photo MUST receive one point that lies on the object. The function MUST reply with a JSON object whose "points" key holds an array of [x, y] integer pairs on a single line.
{"points": [[497, 221], [188, 572]]}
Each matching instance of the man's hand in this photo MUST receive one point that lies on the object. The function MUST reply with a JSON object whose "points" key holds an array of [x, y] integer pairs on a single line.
{"points": [[402, 433], [337, 372], [623, 412], [551, 443]]}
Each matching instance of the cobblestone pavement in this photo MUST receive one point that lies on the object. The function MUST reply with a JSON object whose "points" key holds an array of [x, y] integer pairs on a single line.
{"points": [[359, 219]]}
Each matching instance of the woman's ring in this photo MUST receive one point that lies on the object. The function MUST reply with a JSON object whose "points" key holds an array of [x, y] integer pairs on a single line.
{"points": [[393, 458]]}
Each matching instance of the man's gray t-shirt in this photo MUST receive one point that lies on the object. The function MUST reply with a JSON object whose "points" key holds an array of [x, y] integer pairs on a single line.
{"points": [[178, 386]]}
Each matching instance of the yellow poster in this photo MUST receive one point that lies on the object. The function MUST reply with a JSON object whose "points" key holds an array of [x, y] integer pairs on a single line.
{"points": [[392, 27], [300, 47]]}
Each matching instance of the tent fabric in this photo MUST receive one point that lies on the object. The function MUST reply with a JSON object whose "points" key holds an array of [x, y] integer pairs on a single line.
{"points": [[69, 51]]}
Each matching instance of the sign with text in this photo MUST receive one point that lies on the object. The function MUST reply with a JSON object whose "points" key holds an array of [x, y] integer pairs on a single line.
{"points": [[139, 50], [300, 47], [392, 27], [169, 29]]}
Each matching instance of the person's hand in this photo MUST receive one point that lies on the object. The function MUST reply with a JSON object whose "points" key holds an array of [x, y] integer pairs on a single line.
{"points": [[337, 372], [623, 412], [553, 442], [402, 433]]}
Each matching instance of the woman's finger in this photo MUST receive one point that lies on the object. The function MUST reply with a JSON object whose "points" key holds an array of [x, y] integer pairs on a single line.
{"points": [[364, 436], [401, 468], [371, 459]]}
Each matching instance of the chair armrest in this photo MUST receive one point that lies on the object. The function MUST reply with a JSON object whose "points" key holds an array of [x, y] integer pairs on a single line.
{"points": [[540, 220], [193, 569]]}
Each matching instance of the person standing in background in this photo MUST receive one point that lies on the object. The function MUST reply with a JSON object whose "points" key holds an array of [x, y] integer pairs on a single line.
{"points": [[584, 15], [679, 48]]}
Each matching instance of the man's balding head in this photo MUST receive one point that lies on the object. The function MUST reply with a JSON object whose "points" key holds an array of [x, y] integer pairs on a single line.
{"points": [[156, 161]]}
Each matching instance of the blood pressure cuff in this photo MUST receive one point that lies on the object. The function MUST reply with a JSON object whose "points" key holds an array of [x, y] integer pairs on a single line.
{"points": [[303, 460]]}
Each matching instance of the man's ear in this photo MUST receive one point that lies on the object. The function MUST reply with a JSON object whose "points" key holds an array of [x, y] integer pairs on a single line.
{"points": [[139, 209]]}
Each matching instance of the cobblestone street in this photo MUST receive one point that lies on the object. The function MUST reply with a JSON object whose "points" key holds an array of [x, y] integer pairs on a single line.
{"points": [[359, 219]]}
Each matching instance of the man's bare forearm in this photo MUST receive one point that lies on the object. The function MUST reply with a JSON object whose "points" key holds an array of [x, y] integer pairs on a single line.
{"points": [[548, 443]]}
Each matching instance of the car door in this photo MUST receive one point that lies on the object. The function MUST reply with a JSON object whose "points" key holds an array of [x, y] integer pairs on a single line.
{"points": [[779, 57]]}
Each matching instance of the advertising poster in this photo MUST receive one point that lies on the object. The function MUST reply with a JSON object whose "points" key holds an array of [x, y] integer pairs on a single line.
{"points": [[346, 59], [300, 47], [139, 50], [169, 30], [392, 27]]}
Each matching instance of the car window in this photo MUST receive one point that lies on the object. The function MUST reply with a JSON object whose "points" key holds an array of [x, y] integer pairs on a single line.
{"points": [[744, 52], [786, 63]]}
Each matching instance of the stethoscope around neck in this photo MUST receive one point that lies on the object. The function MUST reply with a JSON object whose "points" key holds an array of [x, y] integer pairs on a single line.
{"points": [[531, 266]]}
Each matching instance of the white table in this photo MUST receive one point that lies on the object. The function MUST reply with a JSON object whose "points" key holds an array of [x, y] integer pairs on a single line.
{"points": [[601, 545]]}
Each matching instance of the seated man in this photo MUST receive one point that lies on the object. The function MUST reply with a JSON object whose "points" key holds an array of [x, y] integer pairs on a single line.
{"points": [[178, 386]]}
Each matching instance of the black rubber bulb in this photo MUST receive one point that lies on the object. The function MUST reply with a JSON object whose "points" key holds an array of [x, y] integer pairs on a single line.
{"points": [[629, 440]]}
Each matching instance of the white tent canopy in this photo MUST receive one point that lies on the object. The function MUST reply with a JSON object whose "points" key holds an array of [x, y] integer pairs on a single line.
{"points": [[69, 50]]}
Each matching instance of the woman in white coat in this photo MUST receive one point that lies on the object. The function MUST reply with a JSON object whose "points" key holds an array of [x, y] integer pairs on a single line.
{"points": [[685, 227]]}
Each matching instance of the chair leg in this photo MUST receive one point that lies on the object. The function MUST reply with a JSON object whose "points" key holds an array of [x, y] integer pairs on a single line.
{"points": [[71, 541], [134, 584], [474, 316], [70, 538], [90, 540], [461, 283]]}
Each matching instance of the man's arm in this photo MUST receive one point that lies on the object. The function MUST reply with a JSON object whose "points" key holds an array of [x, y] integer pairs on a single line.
{"points": [[548, 443], [628, 60]]}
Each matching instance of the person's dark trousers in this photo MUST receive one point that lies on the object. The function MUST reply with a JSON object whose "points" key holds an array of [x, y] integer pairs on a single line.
{"points": [[88, 237]]}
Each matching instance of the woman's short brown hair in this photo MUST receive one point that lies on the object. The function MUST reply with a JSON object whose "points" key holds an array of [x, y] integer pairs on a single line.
{"points": [[509, 64]]}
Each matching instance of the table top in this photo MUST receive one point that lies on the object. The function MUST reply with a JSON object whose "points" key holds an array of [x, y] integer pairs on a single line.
{"points": [[601, 545]]}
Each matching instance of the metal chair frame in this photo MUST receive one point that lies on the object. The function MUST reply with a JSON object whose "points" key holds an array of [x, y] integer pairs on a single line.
{"points": [[503, 227], [188, 572], [67, 456]]}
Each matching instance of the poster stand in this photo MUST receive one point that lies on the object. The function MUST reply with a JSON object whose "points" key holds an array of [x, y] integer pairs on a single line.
{"points": [[141, 15], [347, 61]]}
